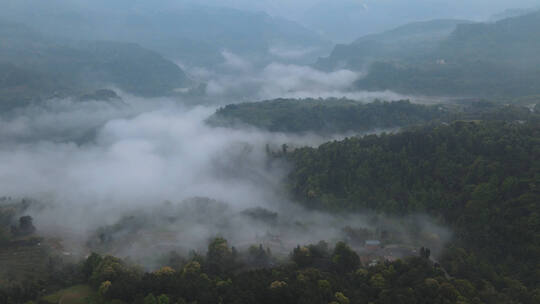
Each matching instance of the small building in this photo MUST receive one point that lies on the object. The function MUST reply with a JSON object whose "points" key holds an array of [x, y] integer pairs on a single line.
{"points": [[372, 244], [373, 263]]}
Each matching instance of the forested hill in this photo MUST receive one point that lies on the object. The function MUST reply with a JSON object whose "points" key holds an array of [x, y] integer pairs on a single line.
{"points": [[34, 66], [324, 115], [512, 42], [481, 59], [481, 178], [333, 116], [474, 60], [512, 12], [193, 34], [413, 41]]}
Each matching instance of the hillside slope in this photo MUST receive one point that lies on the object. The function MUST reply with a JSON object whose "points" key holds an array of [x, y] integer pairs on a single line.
{"points": [[475, 60], [193, 34], [34, 66], [480, 178], [342, 116], [412, 41]]}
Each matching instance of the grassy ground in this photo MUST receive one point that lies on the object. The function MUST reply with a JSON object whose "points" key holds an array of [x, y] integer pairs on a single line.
{"points": [[78, 294]]}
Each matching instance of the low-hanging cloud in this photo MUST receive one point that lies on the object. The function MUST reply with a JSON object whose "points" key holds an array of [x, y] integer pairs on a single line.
{"points": [[281, 80], [140, 152], [239, 80], [235, 62], [285, 52], [143, 153], [160, 154]]}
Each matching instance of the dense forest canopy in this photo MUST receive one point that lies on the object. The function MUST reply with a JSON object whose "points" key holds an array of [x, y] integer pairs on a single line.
{"points": [[338, 116], [326, 116], [481, 178]]}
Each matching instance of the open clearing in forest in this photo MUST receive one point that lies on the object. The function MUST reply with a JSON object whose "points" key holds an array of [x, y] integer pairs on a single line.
{"points": [[78, 294]]}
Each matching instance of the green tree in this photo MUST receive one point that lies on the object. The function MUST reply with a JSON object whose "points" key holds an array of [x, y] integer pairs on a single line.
{"points": [[150, 299], [219, 257], [341, 298], [163, 299], [345, 259]]}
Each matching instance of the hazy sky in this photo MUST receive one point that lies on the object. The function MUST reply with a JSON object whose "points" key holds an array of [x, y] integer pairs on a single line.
{"points": [[343, 20], [338, 20]]}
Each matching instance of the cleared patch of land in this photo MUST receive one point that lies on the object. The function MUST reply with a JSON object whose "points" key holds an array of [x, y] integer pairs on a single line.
{"points": [[78, 294], [20, 261]]}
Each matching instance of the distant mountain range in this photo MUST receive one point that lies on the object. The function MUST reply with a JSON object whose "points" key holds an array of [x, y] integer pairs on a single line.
{"points": [[34, 66], [448, 57], [192, 34], [514, 42], [412, 41], [512, 12]]}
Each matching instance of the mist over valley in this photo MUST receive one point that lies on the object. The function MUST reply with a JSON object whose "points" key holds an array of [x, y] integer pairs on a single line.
{"points": [[269, 152]]}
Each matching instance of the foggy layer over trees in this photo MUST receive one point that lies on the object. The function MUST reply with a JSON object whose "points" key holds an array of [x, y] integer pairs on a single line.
{"points": [[231, 152]]}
